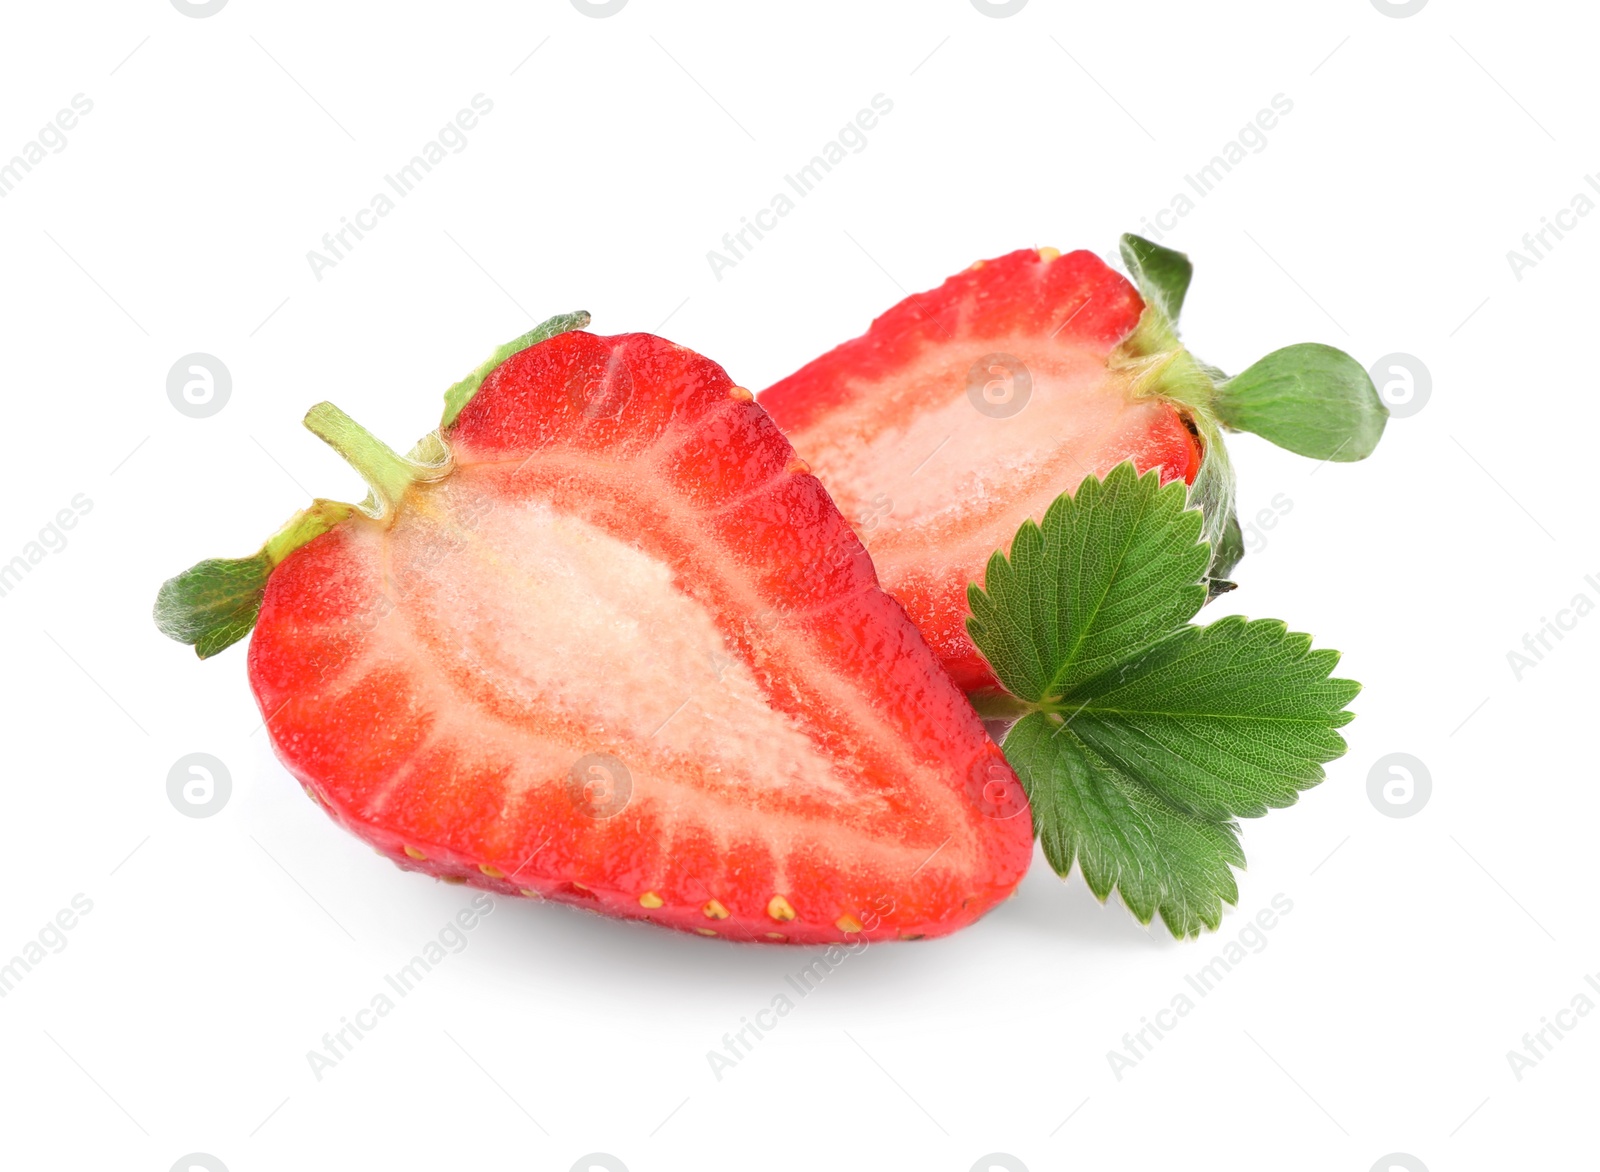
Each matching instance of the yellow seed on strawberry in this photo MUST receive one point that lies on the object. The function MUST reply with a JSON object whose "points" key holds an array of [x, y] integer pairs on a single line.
{"points": [[848, 923], [714, 910], [706, 931], [741, 394], [650, 899], [492, 872], [1049, 254], [780, 909], [415, 853]]}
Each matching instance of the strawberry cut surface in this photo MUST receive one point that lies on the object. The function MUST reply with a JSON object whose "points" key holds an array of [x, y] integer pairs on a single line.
{"points": [[966, 410], [629, 655]]}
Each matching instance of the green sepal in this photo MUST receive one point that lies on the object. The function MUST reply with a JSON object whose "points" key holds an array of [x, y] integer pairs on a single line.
{"points": [[1161, 274], [213, 604], [1215, 487], [1156, 363], [1225, 555], [1311, 399], [460, 394]]}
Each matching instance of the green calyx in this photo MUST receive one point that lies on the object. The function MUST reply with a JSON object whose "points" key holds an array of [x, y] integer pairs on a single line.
{"points": [[214, 603], [1309, 399]]}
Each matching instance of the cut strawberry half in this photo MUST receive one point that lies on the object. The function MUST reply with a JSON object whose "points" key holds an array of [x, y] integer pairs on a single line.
{"points": [[967, 410], [603, 639]]}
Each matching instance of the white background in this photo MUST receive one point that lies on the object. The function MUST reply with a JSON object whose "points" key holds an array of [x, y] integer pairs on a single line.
{"points": [[1378, 1016]]}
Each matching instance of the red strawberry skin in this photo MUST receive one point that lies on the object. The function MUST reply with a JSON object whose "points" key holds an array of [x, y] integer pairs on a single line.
{"points": [[933, 483], [629, 565]]}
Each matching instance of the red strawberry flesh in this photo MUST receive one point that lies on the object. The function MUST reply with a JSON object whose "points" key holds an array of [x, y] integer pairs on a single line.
{"points": [[935, 482], [629, 655]]}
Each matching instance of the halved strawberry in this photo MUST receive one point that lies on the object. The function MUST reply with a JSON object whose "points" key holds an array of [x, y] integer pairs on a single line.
{"points": [[604, 639], [965, 411]]}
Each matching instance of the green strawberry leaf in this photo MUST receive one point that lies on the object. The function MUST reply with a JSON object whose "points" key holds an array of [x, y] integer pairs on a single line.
{"points": [[1143, 737], [1221, 721], [1107, 571], [1159, 858], [1161, 274], [1312, 399]]}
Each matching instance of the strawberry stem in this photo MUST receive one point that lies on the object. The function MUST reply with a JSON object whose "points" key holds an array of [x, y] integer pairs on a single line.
{"points": [[388, 474]]}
